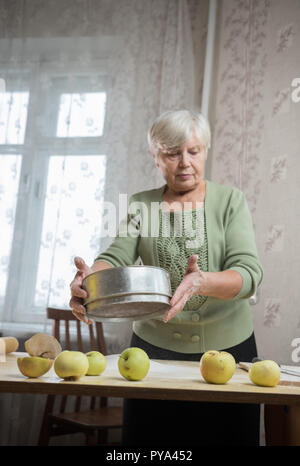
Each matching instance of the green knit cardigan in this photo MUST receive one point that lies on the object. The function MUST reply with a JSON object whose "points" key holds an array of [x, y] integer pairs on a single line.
{"points": [[224, 240]]}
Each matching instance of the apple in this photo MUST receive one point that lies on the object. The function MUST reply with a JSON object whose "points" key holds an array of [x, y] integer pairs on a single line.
{"points": [[217, 366], [97, 363], [265, 373], [71, 365], [133, 363], [34, 366]]}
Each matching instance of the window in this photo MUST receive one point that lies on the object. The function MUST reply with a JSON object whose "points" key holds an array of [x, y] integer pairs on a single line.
{"points": [[9, 184], [79, 115], [69, 219], [52, 180], [13, 117]]}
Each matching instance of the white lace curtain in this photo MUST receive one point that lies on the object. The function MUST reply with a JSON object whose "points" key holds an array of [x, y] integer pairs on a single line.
{"points": [[58, 161], [52, 185]]}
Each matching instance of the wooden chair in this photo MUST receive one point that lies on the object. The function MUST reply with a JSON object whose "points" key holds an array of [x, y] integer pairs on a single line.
{"points": [[95, 421]]}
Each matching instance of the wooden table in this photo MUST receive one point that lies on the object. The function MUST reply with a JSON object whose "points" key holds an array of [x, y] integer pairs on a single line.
{"points": [[158, 384], [172, 380]]}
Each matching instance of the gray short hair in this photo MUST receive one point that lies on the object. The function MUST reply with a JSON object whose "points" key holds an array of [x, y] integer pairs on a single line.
{"points": [[173, 128]]}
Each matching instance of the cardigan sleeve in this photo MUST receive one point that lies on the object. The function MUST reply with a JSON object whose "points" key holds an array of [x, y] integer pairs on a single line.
{"points": [[241, 251], [123, 251]]}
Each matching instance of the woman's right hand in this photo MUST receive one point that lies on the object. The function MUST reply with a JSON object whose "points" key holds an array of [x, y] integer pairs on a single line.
{"points": [[77, 292]]}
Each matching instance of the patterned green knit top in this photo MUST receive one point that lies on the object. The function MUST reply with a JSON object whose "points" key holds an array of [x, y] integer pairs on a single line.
{"points": [[181, 234]]}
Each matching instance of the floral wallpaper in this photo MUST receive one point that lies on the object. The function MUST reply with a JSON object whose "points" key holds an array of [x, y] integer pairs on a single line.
{"points": [[256, 148]]}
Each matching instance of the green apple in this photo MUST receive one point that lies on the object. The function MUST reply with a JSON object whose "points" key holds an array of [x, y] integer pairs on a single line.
{"points": [[97, 363], [71, 365], [265, 373], [134, 364], [217, 366]]}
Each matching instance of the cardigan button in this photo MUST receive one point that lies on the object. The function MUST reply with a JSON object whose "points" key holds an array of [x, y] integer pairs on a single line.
{"points": [[195, 338], [195, 317], [177, 335]]}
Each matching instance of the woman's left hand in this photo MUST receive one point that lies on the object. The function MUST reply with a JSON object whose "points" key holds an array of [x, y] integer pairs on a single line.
{"points": [[193, 283]]}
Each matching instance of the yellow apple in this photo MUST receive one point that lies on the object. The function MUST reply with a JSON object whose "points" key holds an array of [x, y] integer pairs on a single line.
{"points": [[97, 363], [34, 366], [134, 364], [265, 373], [217, 366], [71, 365]]}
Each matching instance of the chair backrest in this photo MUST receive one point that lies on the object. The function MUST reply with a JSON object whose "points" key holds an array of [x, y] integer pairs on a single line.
{"points": [[96, 343]]}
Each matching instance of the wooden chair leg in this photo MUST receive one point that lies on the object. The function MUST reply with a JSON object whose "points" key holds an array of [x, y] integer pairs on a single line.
{"points": [[44, 436], [90, 438], [102, 436]]}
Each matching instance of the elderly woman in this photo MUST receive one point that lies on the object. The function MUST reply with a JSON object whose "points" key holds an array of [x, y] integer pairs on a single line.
{"points": [[204, 238]]}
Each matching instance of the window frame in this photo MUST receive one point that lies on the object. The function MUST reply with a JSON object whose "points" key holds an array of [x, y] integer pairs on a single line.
{"points": [[19, 305]]}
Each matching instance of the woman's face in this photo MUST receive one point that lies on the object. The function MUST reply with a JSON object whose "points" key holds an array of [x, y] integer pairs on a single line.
{"points": [[183, 169]]}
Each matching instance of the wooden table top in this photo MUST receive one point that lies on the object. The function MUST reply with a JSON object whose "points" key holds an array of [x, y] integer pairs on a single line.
{"points": [[174, 380]]}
